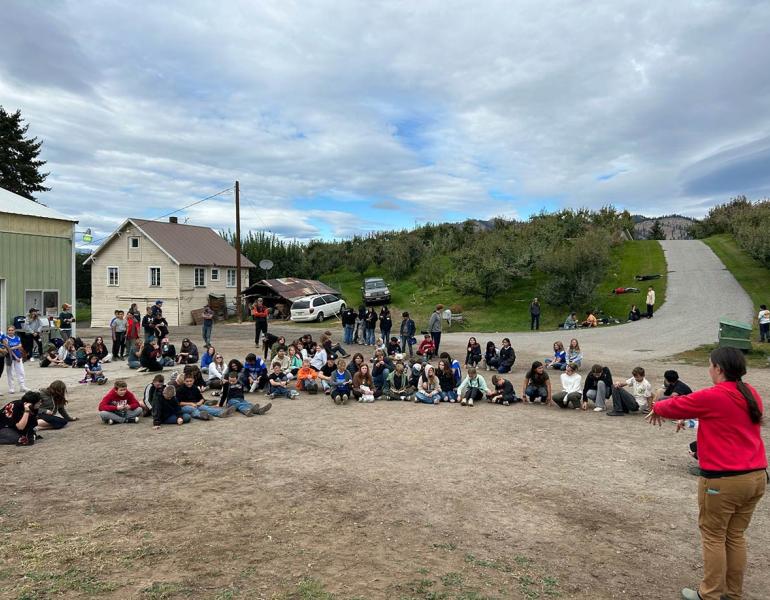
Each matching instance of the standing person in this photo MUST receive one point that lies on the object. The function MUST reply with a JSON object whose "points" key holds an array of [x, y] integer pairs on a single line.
{"points": [[407, 331], [650, 301], [33, 329], [359, 332], [134, 310], [208, 324], [132, 330], [119, 327], [434, 327], [148, 325], [15, 360], [764, 323], [66, 319], [386, 323], [348, 318], [259, 314], [370, 322], [534, 314], [732, 462]]}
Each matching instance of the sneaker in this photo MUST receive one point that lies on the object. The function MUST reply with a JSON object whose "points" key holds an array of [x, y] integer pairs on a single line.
{"points": [[337, 400], [174, 375], [261, 411], [614, 413], [470, 401], [505, 403], [110, 422], [402, 398], [24, 388], [361, 399], [204, 416], [598, 409], [694, 470], [689, 594], [228, 412], [464, 402], [135, 420], [344, 398], [253, 387], [436, 401]]}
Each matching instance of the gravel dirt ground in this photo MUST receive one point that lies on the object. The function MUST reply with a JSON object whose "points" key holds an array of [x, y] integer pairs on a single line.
{"points": [[387, 500]]}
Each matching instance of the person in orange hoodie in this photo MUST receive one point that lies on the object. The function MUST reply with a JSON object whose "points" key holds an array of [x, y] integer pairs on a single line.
{"points": [[307, 378], [119, 405]]}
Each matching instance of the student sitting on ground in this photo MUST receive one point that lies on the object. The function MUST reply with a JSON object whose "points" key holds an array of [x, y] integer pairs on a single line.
{"points": [[634, 314], [153, 392], [282, 358], [167, 352], [394, 347], [166, 409], [232, 398], [491, 358], [188, 353], [325, 374], [597, 387], [100, 349], [278, 384], [18, 420], [507, 357], [427, 348], [537, 384], [624, 401], [119, 405], [429, 388], [340, 383], [363, 385], [590, 320], [414, 375], [572, 388], [216, 372], [454, 365], [672, 386], [134, 354], [472, 353], [51, 358], [66, 354], [398, 386], [319, 358], [574, 354], [93, 371], [177, 379], [254, 374], [473, 388], [446, 380], [355, 363], [191, 402], [150, 357], [53, 400], [571, 321], [559, 360], [503, 392], [207, 358], [381, 368], [307, 378], [295, 361]]}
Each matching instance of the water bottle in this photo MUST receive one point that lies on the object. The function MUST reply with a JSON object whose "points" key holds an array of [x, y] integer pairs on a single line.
{"points": [[691, 423]]}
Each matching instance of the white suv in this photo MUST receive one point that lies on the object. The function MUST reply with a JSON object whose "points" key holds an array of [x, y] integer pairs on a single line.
{"points": [[316, 307]]}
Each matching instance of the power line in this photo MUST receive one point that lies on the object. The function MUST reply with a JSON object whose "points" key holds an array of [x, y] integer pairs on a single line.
{"points": [[172, 212]]}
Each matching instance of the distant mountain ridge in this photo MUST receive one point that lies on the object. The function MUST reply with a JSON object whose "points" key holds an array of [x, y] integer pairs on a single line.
{"points": [[676, 227]]}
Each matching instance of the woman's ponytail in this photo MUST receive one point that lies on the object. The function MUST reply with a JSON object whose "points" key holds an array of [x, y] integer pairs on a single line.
{"points": [[733, 365]]}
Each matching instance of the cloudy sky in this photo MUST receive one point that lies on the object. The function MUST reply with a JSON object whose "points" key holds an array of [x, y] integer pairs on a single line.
{"points": [[340, 117]]}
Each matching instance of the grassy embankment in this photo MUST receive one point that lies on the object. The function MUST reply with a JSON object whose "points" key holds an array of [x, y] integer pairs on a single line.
{"points": [[754, 278], [510, 311]]}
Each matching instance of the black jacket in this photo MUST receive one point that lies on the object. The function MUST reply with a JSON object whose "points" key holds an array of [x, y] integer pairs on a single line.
{"points": [[591, 381]]}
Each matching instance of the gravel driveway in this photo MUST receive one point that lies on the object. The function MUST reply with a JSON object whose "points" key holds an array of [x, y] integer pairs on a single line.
{"points": [[701, 291]]}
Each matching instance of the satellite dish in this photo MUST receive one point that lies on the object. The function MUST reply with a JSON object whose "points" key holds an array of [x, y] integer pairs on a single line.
{"points": [[266, 264]]}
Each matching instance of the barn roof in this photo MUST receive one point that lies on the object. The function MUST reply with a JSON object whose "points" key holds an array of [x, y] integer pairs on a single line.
{"points": [[19, 205]]}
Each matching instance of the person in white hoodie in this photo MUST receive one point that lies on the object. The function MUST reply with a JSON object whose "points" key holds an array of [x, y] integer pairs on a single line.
{"points": [[572, 388]]}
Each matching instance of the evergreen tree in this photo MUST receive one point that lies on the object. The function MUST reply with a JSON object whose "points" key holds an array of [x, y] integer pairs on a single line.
{"points": [[656, 231], [19, 164]]}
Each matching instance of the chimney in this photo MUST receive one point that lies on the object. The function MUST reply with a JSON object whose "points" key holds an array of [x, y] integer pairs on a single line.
{"points": [[173, 220]]}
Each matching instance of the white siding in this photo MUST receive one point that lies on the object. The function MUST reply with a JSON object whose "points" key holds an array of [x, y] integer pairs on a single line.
{"points": [[191, 297], [134, 280]]}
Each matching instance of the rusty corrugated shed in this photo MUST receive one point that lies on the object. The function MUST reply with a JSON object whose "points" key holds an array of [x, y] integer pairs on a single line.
{"points": [[292, 288], [192, 245]]}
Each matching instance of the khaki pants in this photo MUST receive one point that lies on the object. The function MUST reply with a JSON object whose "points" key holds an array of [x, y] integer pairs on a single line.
{"points": [[726, 506]]}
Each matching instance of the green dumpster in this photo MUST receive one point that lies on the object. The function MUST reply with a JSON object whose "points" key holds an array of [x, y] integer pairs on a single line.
{"points": [[735, 334]]}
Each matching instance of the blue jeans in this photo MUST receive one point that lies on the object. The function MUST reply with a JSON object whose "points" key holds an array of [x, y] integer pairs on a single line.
{"points": [[425, 399], [207, 333], [404, 343], [385, 333], [171, 419], [281, 391], [340, 390], [535, 391], [450, 396], [195, 411], [369, 337], [240, 405], [379, 380], [347, 337]]}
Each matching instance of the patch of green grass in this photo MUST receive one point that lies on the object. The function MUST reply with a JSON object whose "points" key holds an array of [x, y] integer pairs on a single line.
{"points": [[757, 358], [640, 257], [510, 311], [73, 579], [83, 315], [309, 589], [452, 580], [160, 590], [753, 276]]}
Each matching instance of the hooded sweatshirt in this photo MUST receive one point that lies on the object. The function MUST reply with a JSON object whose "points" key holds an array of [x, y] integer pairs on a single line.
{"points": [[111, 400]]}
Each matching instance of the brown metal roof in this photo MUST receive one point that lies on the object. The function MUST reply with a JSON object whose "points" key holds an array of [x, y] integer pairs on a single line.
{"points": [[292, 288], [192, 245]]}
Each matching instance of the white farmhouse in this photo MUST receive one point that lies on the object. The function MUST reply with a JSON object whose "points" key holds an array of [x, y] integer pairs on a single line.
{"points": [[144, 261]]}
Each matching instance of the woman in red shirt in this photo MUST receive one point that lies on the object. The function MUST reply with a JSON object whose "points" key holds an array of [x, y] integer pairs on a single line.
{"points": [[733, 469]]}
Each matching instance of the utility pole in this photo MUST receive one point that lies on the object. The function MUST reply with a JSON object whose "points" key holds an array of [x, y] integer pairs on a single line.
{"points": [[238, 299]]}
